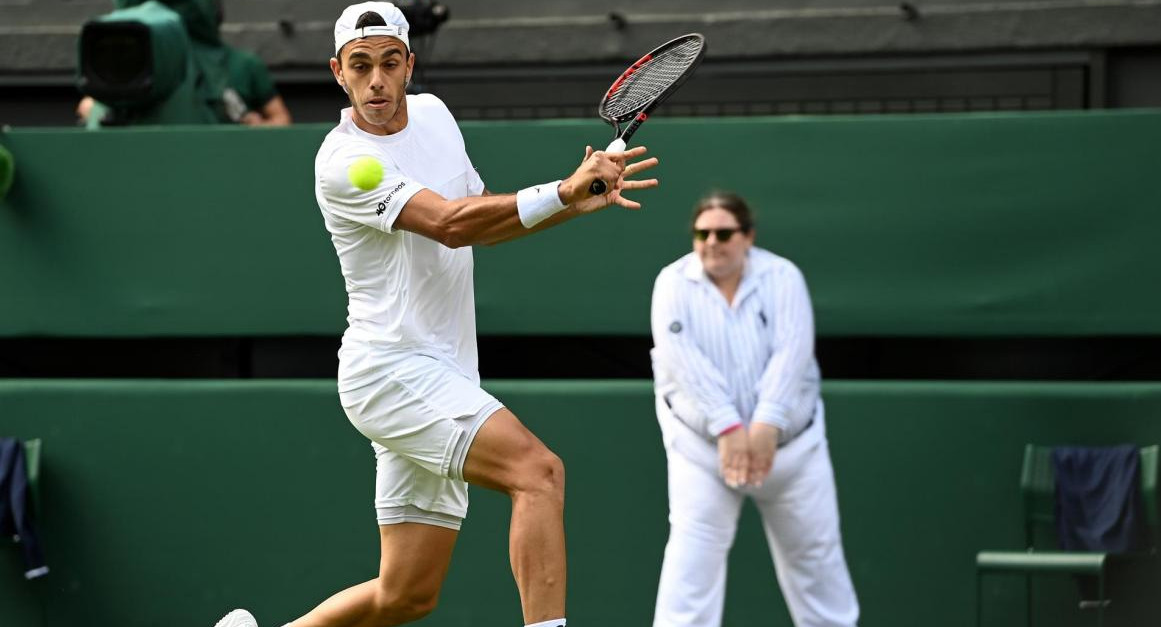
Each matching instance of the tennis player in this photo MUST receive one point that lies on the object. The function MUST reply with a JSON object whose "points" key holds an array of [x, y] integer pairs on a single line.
{"points": [[408, 377]]}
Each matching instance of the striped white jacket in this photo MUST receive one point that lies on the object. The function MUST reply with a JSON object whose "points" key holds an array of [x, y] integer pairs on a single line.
{"points": [[716, 365]]}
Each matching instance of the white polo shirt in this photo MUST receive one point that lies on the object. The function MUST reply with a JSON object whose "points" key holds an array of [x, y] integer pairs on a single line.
{"points": [[407, 294]]}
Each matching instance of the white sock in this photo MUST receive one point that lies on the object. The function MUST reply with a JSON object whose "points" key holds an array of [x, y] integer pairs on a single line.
{"points": [[556, 622]]}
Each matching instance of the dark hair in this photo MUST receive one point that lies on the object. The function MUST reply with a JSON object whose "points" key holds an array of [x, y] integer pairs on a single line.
{"points": [[730, 202], [370, 18]]}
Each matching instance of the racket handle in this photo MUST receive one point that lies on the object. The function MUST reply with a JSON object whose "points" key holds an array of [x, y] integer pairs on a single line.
{"points": [[599, 187]]}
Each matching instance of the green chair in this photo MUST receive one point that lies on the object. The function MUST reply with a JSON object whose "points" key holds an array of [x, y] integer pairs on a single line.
{"points": [[1038, 485]]}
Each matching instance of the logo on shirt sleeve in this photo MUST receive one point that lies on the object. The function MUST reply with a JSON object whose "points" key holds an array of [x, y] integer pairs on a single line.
{"points": [[387, 200]]}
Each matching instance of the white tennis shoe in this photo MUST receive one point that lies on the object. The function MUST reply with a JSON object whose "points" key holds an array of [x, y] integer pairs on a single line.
{"points": [[237, 618]]}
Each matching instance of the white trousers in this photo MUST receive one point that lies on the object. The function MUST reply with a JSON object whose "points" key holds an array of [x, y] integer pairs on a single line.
{"points": [[800, 516]]}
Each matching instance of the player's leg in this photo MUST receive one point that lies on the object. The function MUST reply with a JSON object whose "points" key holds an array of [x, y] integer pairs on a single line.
{"points": [[415, 548], [418, 412], [428, 412], [703, 518], [507, 457], [413, 563], [800, 514]]}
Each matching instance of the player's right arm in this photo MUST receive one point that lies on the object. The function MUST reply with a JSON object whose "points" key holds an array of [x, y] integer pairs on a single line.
{"points": [[399, 202], [495, 218]]}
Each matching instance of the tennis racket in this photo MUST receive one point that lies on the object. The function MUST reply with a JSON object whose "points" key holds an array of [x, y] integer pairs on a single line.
{"points": [[646, 84]]}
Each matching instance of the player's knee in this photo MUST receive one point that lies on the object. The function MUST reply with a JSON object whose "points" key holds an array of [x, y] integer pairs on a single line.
{"points": [[543, 475], [403, 606], [554, 474]]}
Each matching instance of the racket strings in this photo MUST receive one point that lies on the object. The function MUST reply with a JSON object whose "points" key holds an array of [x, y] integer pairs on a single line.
{"points": [[638, 88]]}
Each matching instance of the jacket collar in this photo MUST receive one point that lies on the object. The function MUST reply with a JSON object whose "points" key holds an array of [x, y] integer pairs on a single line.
{"points": [[759, 262]]}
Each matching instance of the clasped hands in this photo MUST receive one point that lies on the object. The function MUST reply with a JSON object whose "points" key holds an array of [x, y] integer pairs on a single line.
{"points": [[746, 454]]}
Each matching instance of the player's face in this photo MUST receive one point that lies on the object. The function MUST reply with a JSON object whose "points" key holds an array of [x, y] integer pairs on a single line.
{"points": [[375, 71], [723, 259]]}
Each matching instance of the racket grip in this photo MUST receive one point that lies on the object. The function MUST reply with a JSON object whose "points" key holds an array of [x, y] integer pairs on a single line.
{"points": [[599, 187]]}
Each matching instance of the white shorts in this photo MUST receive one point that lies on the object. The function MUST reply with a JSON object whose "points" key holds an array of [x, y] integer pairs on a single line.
{"points": [[421, 416]]}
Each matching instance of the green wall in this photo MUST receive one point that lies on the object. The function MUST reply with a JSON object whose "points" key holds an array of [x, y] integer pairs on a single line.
{"points": [[950, 225], [167, 503]]}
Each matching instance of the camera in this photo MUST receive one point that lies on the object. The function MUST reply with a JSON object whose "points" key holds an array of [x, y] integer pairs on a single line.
{"points": [[424, 17], [138, 64]]}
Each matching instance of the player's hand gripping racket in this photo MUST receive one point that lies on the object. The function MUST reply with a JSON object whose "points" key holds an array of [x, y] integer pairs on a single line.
{"points": [[646, 84]]}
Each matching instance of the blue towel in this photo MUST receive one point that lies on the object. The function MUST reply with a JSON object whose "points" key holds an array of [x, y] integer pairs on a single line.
{"points": [[15, 511], [1098, 499]]}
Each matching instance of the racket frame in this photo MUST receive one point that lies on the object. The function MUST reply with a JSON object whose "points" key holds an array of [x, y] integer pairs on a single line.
{"points": [[636, 117]]}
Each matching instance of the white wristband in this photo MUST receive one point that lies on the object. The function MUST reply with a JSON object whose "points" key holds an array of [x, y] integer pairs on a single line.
{"points": [[538, 203]]}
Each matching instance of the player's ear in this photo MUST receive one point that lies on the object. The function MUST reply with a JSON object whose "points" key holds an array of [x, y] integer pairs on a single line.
{"points": [[337, 71]]}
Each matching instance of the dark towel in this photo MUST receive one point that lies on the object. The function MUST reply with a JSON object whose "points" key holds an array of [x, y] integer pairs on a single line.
{"points": [[15, 506], [1098, 499]]}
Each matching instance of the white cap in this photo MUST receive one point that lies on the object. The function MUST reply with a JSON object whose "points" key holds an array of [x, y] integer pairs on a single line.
{"points": [[346, 32]]}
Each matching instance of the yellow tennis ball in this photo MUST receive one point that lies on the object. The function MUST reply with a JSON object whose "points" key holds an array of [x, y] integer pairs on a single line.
{"points": [[365, 173]]}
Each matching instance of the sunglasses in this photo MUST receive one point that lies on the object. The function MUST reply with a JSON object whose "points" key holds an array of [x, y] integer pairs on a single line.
{"points": [[723, 235]]}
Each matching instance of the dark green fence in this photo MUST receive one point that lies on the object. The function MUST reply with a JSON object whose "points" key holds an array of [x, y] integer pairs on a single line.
{"points": [[947, 225], [167, 503]]}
